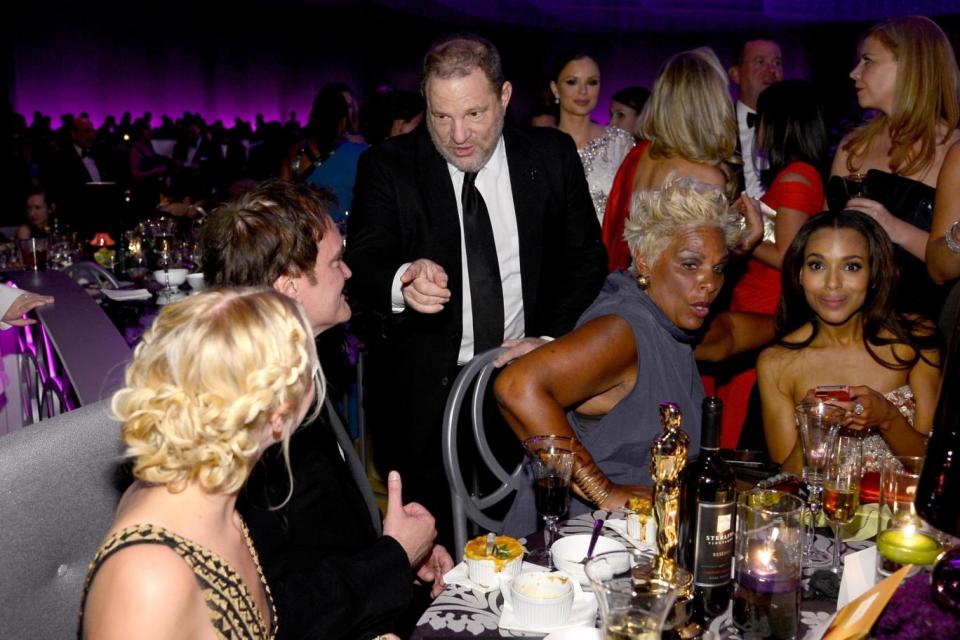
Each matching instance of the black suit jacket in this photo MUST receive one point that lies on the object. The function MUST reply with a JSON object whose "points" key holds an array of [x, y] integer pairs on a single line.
{"points": [[331, 574], [405, 208]]}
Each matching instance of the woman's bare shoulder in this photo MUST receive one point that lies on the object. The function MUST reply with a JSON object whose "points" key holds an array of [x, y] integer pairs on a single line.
{"points": [[777, 356], [143, 587]]}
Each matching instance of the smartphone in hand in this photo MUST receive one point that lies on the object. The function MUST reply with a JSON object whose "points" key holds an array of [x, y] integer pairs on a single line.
{"points": [[833, 391]]}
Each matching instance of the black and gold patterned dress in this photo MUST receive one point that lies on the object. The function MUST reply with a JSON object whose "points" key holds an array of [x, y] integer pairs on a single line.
{"points": [[233, 613]]}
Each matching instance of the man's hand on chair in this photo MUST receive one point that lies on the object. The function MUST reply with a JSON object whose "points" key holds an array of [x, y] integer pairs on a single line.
{"points": [[517, 348]]}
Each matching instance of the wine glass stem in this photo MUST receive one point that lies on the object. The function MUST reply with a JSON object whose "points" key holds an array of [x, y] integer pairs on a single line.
{"points": [[836, 547], [811, 533], [550, 534]]}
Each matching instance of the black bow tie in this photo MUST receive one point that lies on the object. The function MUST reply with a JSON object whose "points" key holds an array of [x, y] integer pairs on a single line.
{"points": [[751, 120]]}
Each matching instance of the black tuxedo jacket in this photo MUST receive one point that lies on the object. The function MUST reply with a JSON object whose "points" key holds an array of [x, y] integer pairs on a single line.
{"points": [[405, 208], [332, 575]]}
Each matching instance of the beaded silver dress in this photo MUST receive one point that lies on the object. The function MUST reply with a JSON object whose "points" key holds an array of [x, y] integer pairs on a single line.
{"points": [[601, 157], [875, 448]]}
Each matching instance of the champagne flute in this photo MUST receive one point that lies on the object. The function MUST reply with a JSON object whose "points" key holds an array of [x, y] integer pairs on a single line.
{"points": [[552, 460], [841, 486], [817, 424]]}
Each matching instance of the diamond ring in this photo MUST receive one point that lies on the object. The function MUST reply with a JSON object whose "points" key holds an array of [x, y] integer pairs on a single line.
{"points": [[858, 409]]}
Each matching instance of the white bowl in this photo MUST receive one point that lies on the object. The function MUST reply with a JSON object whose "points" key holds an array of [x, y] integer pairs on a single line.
{"points": [[484, 572], [541, 598], [643, 533], [567, 553], [196, 281], [170, 277]]}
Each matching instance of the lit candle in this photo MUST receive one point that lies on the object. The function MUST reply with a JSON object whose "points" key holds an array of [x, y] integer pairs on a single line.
{"points": [[763, 574], [908, 546]]}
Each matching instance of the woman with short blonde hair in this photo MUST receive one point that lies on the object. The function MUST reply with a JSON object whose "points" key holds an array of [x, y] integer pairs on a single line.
{"points": [[218, 378], [631, 348]]}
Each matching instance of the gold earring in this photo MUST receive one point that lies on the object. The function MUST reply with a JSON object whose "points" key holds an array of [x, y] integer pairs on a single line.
{"points": [[643, 280]]}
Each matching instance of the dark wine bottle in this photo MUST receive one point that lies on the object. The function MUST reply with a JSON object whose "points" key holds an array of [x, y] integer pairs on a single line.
{"points": [[938, 492], [707, 527]]}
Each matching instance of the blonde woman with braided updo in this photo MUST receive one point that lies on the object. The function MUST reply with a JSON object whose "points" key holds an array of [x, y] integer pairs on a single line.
{"points": [[218, 378]]}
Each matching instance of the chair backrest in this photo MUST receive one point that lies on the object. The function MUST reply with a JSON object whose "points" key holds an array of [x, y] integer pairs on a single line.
{"points": [[87, 272], [467, 504], [58, 494]]}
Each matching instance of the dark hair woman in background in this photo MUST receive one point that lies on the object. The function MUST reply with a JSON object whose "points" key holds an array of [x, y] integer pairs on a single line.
{"points": [[792, 139]]}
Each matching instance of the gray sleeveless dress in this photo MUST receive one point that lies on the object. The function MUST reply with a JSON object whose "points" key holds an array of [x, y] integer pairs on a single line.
{"points": [[620, 440]]}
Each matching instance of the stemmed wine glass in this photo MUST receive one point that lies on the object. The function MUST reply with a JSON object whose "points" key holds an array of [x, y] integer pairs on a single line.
{"points": [[817, 424], [841, 485], [552, 460]]}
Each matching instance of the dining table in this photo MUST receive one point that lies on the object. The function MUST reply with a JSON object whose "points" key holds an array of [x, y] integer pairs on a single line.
{"points": [[461, 612]]}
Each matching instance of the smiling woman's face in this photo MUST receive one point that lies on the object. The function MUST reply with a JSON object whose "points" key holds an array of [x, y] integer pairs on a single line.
{"points": [[688, 275], [578, 86], [835, 275]]}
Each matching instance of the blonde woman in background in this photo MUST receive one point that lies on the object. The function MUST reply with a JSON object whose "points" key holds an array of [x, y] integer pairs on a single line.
{"points": [[218, 378], [907, 73], [689, 131]]}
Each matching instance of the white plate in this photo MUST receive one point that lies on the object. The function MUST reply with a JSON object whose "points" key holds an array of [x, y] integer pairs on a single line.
{"points": [[577, 633]]}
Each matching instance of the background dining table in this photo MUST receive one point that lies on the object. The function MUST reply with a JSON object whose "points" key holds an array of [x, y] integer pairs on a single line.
{"points": [[461, 612]]}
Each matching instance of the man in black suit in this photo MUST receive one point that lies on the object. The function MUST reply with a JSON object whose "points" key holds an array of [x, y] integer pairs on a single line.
{"points": [[464, 235], [335, 572], [78, 180]]}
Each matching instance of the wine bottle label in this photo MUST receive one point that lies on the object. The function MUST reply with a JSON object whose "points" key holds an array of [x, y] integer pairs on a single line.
{"points": [[713, 549]]}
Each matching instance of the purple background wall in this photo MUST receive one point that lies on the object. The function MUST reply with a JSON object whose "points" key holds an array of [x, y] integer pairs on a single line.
{"points": [[270, 57]]}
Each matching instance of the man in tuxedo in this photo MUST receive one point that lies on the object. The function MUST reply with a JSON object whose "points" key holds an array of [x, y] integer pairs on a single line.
{"points": [[334, 569], [78, 165], [464, 235], [759, 64]]}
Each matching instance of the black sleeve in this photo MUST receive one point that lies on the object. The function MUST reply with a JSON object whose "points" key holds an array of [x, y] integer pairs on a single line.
{"points": [[347, 596], [582, 260]]}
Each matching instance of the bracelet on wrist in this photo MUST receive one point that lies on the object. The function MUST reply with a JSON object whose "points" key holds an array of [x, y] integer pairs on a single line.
{"points": [[592, 482], [952, 244]]}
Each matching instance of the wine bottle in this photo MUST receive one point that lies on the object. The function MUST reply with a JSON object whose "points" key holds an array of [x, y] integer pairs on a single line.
{"points": [[708, 522], [938, 491]]}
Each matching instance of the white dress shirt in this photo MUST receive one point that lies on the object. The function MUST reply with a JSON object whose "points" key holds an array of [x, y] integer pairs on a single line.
{"points": [[751, 165], [493, 182]]}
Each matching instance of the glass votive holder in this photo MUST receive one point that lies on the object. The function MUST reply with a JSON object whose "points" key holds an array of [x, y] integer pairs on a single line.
{"points": [[902, 536], [33, 252], [635, 601], [766, 597]]}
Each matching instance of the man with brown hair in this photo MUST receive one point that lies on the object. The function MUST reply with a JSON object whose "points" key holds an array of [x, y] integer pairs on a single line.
{"points": [[464, 235], [335, 572]]}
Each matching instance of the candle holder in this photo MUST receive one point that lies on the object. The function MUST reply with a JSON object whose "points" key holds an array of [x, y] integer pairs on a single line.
{"points": [[903, 537], [766, 597]]}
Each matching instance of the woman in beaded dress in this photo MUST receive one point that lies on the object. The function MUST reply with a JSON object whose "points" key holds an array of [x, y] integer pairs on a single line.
{"points": [[218, 378], [836, 326], [907, 73], [689, 130], [575, 87]]}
